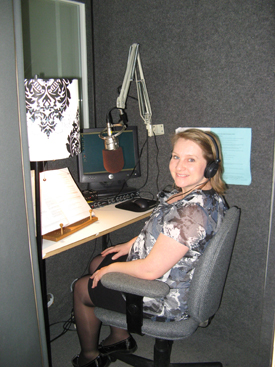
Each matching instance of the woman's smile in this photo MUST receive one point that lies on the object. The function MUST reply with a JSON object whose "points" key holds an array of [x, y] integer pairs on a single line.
{"points": [[187, 165]]}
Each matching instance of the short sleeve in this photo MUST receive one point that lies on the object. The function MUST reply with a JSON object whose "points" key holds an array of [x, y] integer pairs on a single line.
{"points": [[187, 225]]}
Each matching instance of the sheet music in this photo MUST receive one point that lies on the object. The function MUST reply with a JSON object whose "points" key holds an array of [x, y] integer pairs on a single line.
{"points": [[61, 200]]}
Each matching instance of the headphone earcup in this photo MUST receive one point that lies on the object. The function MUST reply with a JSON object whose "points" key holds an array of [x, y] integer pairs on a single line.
{"points": [[211, 169]]}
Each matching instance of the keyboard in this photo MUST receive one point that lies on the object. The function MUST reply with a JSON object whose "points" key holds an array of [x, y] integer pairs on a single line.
{"points": [[96, 201]]}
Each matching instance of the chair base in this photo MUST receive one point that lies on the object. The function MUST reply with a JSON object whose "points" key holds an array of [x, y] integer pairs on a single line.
{"points": [[162, 351]]}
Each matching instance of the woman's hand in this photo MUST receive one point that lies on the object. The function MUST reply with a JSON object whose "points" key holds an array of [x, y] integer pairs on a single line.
{"points": [[98, 275], [165, 253], [119, 250]]}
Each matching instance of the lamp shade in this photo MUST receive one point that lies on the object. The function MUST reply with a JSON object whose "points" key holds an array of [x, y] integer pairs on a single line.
{"points": [[52, 113]]}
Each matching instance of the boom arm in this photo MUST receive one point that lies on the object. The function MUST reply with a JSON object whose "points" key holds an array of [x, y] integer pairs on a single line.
{"points": [[134, 70]]}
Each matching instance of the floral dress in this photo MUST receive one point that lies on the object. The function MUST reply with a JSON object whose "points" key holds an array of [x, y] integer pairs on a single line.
{"points": [[191, 221]]}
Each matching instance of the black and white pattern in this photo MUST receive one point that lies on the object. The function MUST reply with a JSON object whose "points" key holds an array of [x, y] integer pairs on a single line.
{"points": [[73, 144], [46, 101], [52, 111]]}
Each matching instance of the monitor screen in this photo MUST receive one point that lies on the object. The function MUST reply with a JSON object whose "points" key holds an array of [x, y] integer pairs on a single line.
{"points": [[90, 162]]}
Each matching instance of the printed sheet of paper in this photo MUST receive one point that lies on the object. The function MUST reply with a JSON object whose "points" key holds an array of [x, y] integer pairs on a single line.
{"points": [[61, 200], [236, 150]]}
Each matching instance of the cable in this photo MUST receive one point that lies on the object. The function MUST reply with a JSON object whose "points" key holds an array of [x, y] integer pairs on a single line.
{"points": [[147, 173], [149, 192], [110, 240], [157, 156], [133, 170], [118, 92], [66, 326], [193, 188], [89, 260]]}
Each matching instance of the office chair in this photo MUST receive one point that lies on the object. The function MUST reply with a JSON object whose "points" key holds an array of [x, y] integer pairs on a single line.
{"points": [[203, 301]]}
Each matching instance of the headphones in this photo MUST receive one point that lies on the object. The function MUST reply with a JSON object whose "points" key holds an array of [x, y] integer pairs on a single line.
{"points": [[213, 166]]}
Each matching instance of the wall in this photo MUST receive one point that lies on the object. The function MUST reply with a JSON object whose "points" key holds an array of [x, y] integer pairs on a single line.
{"points": [[22, 340], [206, 63]]}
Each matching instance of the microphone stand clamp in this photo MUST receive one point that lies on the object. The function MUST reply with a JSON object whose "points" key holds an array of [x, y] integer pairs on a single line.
{"points": [[110, 139]]}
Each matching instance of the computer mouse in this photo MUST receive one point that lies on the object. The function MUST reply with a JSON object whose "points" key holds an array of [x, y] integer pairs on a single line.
{"points": [[137, 205], [141, 203]]}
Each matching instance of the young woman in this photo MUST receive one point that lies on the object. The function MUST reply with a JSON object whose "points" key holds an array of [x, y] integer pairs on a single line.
{"points": [[167, 248]]}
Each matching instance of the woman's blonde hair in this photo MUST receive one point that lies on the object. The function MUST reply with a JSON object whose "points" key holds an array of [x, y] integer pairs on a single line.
{"points": [[209, 152]]}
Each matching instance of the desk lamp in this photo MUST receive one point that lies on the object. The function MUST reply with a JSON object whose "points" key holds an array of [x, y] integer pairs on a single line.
{"points": [[52, 114]]}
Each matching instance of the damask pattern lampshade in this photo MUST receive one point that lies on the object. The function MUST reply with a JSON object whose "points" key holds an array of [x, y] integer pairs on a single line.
{"points": [[52, 112]]}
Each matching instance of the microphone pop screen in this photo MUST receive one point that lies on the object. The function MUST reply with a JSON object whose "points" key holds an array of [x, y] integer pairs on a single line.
{"points": [[113, 160]]}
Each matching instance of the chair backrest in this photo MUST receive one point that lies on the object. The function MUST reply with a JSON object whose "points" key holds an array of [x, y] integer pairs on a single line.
{"points": [[210, 274]]}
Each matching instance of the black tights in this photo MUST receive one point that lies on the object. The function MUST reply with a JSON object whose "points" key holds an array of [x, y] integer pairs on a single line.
{"points": [[88, 326]]}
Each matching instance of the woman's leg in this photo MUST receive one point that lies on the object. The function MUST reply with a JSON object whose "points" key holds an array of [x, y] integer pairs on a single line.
{"points": [[88, 326], [95, 263], [116, 334]]}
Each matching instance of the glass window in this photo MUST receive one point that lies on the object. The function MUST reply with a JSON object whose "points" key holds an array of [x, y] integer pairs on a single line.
{"points": [[54, 39]]}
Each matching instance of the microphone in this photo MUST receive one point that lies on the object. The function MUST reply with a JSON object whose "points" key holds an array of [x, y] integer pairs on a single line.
{"points": [[112, 153]]}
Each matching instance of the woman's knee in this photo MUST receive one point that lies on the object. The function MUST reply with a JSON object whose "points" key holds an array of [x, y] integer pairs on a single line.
{"points": [[81, 288], [95, 263]]}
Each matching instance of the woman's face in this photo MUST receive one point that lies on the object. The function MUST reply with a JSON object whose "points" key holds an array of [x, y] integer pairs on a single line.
{"points": [[187, 165]]}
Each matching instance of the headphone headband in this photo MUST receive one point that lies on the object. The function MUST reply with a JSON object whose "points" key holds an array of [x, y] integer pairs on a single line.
{"points": [[213, 166]]}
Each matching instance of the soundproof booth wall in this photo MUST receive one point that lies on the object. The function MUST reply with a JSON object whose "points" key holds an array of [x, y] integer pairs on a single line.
{"points": [[206, 64]]}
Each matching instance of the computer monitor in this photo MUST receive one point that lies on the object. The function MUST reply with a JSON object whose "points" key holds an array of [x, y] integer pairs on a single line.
{"points": [[90, 162]]}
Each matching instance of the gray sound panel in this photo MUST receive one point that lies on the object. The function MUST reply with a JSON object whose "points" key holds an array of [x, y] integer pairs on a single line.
{"points": [[206, 63]]}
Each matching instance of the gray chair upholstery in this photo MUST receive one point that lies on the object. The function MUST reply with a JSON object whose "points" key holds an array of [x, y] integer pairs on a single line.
{"points": [[203, 301]]}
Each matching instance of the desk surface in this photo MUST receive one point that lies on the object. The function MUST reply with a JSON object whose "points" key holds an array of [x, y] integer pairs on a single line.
{"points": [[109, 219]]}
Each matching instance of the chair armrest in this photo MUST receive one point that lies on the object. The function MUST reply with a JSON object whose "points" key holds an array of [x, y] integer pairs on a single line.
{"points": [[141, 287]]}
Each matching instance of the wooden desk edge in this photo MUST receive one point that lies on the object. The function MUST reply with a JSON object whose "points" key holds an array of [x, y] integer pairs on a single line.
{"points": [[94, 236]]}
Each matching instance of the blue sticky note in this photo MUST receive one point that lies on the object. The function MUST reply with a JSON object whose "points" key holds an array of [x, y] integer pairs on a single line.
{"points": [[236, 151]]}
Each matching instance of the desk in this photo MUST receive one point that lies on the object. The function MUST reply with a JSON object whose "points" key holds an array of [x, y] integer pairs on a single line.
{"points": [[109, 219]]}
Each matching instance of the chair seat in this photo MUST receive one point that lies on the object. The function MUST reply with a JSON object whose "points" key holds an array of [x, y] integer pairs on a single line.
{"points": [[165, 330]]}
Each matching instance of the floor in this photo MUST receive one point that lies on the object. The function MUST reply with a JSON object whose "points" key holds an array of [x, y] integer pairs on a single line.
{"points": [[194, 349]]}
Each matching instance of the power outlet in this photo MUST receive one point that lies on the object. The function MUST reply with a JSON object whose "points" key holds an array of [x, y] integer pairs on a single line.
{"points": [[158, 129]]}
